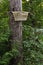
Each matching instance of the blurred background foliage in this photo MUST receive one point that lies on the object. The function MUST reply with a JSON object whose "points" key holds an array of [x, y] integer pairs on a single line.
{"points": [[32, 33]]}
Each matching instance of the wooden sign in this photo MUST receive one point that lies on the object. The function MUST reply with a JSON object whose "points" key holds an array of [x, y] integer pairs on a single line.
{"points": [[20, 15]]}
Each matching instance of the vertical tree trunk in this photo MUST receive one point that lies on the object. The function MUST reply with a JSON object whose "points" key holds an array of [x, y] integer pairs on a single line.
{"points": [[16, 27]]}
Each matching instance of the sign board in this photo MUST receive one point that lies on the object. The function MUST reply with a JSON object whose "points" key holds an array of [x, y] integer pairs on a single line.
{"points": [[20, 15]]}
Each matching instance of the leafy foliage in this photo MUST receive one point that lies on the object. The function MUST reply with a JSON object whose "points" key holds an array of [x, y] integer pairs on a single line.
{"points": [[32, 36], [32, 40]]}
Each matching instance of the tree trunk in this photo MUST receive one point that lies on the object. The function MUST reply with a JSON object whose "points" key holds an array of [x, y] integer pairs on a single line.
{"points": [[16, 28]]}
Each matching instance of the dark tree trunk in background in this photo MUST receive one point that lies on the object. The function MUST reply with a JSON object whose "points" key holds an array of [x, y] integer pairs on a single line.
{"points": [[16, 28]]}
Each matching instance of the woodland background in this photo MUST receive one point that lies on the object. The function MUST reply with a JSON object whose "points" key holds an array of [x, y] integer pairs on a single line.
{"points": [[32, 33]]}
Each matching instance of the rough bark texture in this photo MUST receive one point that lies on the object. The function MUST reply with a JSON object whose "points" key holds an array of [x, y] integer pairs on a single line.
{"points": [[16, 27]]}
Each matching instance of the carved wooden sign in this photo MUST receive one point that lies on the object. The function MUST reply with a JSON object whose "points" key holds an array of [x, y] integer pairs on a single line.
{"points": [[20, 15]]}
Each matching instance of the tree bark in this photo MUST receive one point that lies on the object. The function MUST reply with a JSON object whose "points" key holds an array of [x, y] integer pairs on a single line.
{"points": [[16, 28]]}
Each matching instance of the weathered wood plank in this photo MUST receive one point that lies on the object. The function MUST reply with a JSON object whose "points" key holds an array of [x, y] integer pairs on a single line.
{"points": [[20, 15]]}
